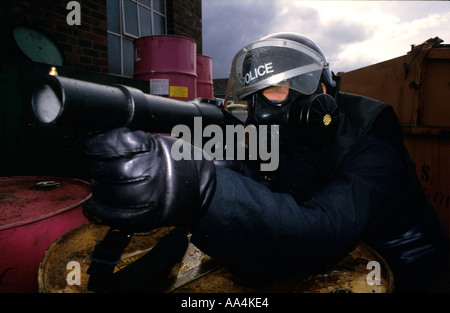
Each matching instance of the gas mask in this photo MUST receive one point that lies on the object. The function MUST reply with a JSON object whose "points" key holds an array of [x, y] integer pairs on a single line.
{"points": [[304, 119]]}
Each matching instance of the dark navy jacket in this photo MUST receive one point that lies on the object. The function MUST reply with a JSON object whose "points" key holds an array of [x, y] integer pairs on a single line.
{"points": [[359, 188]]}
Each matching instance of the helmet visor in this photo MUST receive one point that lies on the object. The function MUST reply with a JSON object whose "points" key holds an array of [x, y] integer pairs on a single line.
{"points": [[273, 62]]}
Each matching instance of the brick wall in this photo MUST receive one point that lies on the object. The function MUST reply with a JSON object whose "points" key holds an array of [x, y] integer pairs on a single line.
{"points": [[185, 19], [85, 46]]}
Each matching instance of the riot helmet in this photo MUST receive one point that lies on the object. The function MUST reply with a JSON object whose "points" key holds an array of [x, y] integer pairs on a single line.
{"points": [[275, 60], [293, 66]]}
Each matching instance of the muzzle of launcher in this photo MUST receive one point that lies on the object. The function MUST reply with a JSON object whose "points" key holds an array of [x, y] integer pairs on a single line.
{"points": [[69, 102]]}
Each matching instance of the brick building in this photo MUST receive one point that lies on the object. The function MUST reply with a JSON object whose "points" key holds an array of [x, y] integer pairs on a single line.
{"points": [[103, 41], [95, 45]]}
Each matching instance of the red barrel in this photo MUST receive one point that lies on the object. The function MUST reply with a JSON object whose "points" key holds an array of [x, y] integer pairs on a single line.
{"points": [[205, 87], [169, 63], [34, 212]]}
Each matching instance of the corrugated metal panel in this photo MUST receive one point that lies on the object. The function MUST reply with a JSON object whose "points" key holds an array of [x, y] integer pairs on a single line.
{"points": [[417, 85], [431, 156]]}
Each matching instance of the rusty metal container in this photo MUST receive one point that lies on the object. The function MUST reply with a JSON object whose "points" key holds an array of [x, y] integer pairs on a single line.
{"points": [[417, 85], [34, 212], [199, 273]]}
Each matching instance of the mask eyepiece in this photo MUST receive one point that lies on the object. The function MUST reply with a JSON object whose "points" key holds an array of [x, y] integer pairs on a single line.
{"points": [[276, 95]]}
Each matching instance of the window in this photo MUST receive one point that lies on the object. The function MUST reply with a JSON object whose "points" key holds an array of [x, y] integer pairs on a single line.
{"points": [[127, 21]]}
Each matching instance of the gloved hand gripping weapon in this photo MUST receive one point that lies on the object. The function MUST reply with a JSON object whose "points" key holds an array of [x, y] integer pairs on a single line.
{"points": [[136, 184]]}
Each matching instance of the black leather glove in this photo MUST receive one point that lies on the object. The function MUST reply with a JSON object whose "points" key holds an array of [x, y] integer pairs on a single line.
{"points": [[137, 186]]}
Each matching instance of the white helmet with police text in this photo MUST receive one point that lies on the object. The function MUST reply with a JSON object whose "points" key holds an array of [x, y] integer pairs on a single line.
{"points": [[275, 60]]}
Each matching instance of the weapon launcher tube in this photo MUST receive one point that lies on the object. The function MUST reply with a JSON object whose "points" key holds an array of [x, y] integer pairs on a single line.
{"points": [[70, 102]]}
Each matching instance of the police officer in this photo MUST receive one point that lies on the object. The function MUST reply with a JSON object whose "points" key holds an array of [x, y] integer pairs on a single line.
{"points": [[344, 177]]}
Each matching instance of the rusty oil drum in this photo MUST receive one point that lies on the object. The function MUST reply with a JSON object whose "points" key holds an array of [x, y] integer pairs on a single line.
{"points": [[34, 212], [197, 272]]}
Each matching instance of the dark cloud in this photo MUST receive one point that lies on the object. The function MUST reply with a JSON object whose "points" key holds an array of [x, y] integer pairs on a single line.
{"points": [[347, 39], [337, 35], [228, 26]]}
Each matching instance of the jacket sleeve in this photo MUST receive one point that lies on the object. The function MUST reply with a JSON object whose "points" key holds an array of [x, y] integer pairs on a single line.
{"points": [[261, 235]]}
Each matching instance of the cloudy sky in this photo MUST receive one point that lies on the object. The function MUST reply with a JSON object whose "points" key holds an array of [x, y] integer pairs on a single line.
{"points": [[352, 34]]}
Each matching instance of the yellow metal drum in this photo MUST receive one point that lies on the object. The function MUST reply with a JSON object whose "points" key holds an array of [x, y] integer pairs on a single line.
{"points": [[64, 266]]}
